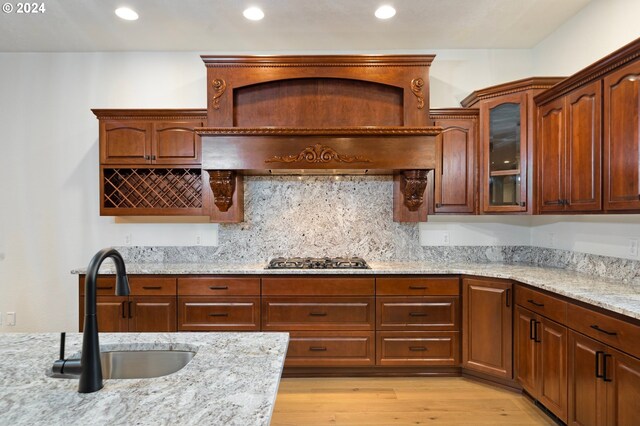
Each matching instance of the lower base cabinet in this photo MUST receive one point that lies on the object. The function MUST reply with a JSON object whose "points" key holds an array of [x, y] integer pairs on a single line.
{"points": [[487, 324], [317, 348], [146, 314], [541, 360], [418, 348], [604, 384]]}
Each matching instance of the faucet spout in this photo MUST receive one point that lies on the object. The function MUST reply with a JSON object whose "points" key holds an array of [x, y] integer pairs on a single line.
{"points": [[91, 376]]}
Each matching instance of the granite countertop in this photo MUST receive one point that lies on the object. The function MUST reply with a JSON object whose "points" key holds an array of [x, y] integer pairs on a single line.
{"points": [[616, 296], [233, 379]]}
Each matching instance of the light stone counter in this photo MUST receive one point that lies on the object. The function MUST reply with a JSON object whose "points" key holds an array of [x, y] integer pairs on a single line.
{"points": [[232, 380], [614, 295]]}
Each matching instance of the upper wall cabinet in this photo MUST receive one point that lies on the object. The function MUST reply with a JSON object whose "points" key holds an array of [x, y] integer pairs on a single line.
{"points": [[455, 178], [622, 138], [150, 163], [589, 138], [569, 152], [507, 134], [150, 136]]}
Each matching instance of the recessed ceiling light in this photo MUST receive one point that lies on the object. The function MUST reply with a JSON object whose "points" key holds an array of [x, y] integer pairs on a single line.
{"points": [[126, 14], [385, 12], [253, 13]]}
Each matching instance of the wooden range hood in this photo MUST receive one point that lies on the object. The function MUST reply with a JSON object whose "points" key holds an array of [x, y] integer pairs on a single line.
{"points": [[355, 114]]}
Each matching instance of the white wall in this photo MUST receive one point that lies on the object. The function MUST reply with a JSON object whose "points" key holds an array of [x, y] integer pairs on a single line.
{"points": [[595, 31]]}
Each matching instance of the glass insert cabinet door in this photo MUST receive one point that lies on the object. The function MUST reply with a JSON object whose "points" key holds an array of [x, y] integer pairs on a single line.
{"points": [[504, 149]]}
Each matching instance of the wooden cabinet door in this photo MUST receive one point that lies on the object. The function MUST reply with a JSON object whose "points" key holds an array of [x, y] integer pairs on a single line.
{"points": [[525, 349], [455, 167], [175, 142], [583, 178], [623, 389], [587, 392], [111, 312], [152, 314], [125, 142], [504, 154], [552, 366], [622, 139], [551, 142], [487, 326]]}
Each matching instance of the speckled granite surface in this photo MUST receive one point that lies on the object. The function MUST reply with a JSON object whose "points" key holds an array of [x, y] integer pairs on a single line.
{"points": [[232, 380], [608, 293]]}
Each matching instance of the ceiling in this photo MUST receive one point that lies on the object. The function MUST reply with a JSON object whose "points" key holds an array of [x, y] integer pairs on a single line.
{"points": [[289, 25]]}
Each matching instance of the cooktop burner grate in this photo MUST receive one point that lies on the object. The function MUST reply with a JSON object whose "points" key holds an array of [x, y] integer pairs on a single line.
{"points": [[317, 263]]}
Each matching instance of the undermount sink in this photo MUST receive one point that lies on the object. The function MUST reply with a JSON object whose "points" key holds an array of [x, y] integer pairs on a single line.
{"points": [[131, 364], [143, 364]]}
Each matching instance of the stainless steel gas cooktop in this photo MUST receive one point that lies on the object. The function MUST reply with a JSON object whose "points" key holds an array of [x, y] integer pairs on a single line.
{"points": [[317, 263]]}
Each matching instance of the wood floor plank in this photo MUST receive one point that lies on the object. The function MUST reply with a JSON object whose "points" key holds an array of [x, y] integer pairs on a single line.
{"points": [[400, 401]]}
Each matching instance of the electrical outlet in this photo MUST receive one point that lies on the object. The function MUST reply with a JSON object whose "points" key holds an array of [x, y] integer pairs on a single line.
{"points": [[552, 239], [198, 240], [0, 318], [633, 247], [446, 238], [11, 318], [128, 240]]}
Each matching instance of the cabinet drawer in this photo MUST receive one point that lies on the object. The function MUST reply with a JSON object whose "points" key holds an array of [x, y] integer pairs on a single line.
{"points": [[318, 313], [322, 349], [218, 286], [542, 304], [418, 348], [218, 313], [417, 313], [152, 286], [317, 286], [106, 285], [612, 331], [418, 286]]}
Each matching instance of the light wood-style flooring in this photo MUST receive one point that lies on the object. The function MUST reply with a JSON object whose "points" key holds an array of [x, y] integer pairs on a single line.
{"points": [[400, 401]]}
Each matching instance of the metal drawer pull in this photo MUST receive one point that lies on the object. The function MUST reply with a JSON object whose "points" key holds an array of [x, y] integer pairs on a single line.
{"points": [[218, 287], [533, 302], [219, 314], [532, 323], [417, 348], [317, 348], [608, 333], [318, 314], [149, 287], [105, 288], [417, 287], [418, 314], [123, 315]]}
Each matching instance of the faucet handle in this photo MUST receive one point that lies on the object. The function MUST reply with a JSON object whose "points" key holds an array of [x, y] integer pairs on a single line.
{"points": [[63, 336]]}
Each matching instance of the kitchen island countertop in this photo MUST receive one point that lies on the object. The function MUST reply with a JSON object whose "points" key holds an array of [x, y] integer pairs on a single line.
{"points": [[613, 295], [232, 380]]}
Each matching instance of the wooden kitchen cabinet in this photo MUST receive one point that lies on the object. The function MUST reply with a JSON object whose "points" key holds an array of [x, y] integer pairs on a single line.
{"points": [[541, 360], [223, 303], [418, 321], [144, 137], [487, 326], [604, 384], [569, 152], [455, 177], [331, 319], [150, 306], [507, 130], [622, 139]]}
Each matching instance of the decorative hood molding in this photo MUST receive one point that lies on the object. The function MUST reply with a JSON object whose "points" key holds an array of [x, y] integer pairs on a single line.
{"points": [[351, 114]]}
